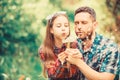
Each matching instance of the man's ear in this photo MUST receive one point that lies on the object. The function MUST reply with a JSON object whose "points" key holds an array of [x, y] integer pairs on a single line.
{"points": [[95, 24]]}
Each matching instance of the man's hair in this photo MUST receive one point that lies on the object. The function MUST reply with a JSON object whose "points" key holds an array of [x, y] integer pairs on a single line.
{"points": [[88, 10]]}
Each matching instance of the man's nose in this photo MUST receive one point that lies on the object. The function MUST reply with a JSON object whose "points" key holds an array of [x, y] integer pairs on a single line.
{"points": [[79, 26]]}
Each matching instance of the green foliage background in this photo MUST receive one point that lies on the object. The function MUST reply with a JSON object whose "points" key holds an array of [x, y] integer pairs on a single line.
{"points": [[22, 30]]}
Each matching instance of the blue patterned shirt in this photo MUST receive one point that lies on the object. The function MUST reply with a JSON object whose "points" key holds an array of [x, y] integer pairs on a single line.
{"points": [[103, 56]]}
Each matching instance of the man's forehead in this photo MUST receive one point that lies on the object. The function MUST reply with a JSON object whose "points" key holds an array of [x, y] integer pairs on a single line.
{"points": [[83, 16]]}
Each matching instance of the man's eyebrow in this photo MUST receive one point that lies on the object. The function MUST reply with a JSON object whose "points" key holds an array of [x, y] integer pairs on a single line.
{"points": [[76, 21]]}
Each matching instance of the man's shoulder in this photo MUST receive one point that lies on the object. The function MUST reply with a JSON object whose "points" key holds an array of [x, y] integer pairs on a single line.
{"points": [[109, 46], [107, 41]]}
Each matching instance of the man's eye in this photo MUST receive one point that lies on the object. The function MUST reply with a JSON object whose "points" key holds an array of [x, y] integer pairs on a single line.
{"points": [[76, 23], [84, 22]]}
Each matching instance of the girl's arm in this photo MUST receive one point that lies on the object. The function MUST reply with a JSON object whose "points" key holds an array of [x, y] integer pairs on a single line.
{"points": [[55, 69]]}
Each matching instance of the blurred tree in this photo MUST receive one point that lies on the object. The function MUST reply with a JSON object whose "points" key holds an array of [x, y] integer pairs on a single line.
{"points": [[114, 7], [56, 3], [15, 31], [18, 42]]}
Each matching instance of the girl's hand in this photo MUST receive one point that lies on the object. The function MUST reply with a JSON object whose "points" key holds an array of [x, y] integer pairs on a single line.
{"points": [[62, 56], [74, 55]]}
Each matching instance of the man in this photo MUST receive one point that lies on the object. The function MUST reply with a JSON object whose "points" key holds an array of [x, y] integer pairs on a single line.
{"points": [[99, 57]]}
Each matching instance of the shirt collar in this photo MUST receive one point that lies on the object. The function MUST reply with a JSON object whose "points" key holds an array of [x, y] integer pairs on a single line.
{"points": [[58, 50], [96, 42]]}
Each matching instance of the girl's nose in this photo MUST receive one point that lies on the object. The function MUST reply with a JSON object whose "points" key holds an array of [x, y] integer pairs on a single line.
{"points": [[63, 27]]}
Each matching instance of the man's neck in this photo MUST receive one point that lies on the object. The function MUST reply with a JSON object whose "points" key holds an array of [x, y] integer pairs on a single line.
{"points": [[87, 43]]}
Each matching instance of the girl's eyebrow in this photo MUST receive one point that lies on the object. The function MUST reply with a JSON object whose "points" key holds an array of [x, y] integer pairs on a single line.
{"points": [[57, 23], [66, 23], [60, 23]]}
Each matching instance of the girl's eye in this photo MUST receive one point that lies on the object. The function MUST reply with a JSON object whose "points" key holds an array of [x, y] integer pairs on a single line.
{"points": [[58, 26], [66, 25]]}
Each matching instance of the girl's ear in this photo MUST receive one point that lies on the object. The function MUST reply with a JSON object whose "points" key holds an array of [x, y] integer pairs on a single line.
{"points": [[51, 30]]}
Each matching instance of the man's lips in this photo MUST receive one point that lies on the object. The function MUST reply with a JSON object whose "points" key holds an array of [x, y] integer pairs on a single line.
{"points": [[79, 32]]}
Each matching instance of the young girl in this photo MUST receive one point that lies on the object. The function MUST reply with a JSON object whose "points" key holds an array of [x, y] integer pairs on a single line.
{"points": [[52, 51]]}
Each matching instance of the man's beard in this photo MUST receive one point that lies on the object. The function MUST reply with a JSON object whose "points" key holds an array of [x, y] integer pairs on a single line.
{"points": [[88, 37]]}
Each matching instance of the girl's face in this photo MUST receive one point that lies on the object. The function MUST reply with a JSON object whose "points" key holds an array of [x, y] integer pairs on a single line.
{"points": [[60, 28]]}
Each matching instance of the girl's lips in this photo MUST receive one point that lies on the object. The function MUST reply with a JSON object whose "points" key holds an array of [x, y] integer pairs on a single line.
{"points": [[63, 34]]}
